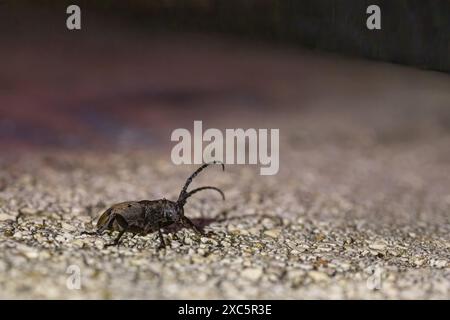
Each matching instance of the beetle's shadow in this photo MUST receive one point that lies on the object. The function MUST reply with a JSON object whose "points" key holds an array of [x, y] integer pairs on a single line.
{"points": [[203, 222], [200, 223]]}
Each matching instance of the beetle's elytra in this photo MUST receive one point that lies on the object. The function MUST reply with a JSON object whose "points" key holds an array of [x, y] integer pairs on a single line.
{"points": [[145, 216]]}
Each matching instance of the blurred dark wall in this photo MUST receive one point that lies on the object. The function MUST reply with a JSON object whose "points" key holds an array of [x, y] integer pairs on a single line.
{"points": [[414, 32]]}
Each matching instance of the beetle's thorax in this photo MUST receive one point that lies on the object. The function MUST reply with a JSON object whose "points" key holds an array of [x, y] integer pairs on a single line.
{"points": [[162, 211]]}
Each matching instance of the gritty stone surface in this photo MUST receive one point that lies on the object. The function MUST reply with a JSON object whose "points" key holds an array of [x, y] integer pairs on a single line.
{"points": [[273, 237]]}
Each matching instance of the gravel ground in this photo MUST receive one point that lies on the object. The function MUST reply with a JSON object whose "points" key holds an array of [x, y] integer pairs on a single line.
{"points": [[293, 235]]}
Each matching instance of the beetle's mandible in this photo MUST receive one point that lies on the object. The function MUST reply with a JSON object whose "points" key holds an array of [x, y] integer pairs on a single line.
{"points": [[146, 216]]}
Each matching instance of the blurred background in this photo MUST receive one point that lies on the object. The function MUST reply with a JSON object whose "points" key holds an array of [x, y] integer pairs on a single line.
{"points": [[139, 69]]}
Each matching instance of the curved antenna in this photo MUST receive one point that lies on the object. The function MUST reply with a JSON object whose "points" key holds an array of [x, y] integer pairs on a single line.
{"points": [[183, 192], [190, 193]]}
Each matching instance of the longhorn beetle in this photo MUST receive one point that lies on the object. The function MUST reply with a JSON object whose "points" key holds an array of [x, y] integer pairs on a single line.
{"points": [[145, 216]]}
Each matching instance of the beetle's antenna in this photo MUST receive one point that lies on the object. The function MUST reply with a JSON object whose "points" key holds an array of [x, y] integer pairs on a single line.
{"points": [[190, 193], [183, 194]]}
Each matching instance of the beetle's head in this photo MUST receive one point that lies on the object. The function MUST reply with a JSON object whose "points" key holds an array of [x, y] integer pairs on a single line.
{"points": [[173, 211]]}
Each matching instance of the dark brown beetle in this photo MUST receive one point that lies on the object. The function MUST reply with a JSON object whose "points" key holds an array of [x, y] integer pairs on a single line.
{"points": [[145, 216]]}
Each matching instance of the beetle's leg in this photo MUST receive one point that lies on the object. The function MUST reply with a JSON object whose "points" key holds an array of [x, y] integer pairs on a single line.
{"points": [[90, 233], [162, 244], [97, 232], [123, 225], [117, 239], [189, 224]]}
